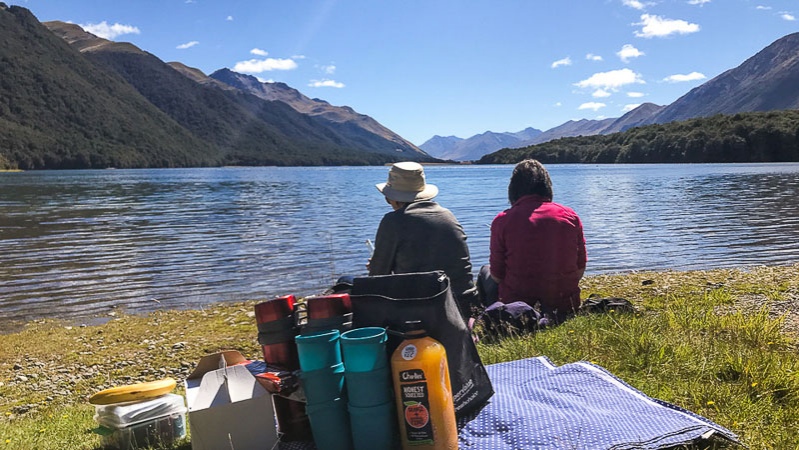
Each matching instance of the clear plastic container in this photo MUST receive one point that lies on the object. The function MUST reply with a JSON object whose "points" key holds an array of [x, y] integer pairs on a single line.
{"points": [[162, 432], [159, 422]]}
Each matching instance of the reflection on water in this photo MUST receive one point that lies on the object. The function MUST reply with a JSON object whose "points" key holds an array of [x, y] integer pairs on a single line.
{"points": [[76, 243]]}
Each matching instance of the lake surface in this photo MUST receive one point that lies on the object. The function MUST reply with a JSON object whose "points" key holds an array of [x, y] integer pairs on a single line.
{"points": [[77, 244]]}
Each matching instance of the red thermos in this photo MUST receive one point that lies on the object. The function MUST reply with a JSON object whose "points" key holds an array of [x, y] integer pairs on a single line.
{"points": [[276, 331]]}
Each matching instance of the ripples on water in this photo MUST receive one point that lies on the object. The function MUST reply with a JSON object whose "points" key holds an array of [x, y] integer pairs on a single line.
{"points": [[77, 243]]}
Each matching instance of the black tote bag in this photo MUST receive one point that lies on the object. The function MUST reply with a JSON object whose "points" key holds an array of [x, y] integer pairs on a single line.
{"points": [[391, 300]]}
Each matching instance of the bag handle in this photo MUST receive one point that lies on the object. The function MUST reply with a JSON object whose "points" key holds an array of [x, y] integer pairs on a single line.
{"points": [[300, 314]]}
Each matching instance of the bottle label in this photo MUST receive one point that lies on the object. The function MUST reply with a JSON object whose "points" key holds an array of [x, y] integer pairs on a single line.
{"points": [[409, 352], [414, 396]]}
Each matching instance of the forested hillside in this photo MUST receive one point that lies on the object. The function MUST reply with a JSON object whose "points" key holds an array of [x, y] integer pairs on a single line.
{"points": [[245, 129], [746, 137], [346, 122], [58, 111], [69, 99]]}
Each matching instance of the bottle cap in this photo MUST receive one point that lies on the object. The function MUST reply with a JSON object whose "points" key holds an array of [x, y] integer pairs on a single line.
{"points": [[414, 329]]}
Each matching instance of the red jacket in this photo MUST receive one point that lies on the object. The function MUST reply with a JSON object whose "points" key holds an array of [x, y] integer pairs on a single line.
{"points": [[538, 253]]}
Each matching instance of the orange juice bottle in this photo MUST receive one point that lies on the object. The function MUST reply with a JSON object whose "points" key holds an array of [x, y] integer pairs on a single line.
{"points": [[423, 392]]}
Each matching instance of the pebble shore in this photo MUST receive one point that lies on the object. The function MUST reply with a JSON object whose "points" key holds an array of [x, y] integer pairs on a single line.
{"points": [[81, 360]]}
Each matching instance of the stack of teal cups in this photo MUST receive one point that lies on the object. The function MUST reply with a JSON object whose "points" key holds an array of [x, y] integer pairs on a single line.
{"points": [[371, 399], [322, 379]]}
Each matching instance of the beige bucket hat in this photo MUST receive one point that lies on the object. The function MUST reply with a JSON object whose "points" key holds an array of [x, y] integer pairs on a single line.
{"points": [[406, 183]]}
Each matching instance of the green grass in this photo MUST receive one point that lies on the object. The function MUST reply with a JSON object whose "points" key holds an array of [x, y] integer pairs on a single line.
{"points": [[721, 343]]}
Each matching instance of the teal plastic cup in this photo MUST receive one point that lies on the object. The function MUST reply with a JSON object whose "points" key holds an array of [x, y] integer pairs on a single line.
{"points": [[374, 427], [330, 425], [365, 389], [323, 385], [364, 349], [318, 350]]}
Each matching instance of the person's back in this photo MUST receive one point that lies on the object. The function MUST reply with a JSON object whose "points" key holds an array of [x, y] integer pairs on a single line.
{"points": [[420, 235], [537, 246], [541, 246], [423, 237]]}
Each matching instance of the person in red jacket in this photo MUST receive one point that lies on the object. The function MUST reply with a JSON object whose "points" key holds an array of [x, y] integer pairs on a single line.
{"points": [[537, 253]]}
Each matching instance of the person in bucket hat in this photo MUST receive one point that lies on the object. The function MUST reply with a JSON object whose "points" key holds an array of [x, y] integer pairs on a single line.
{"points": [[420, 235], [406, 183]]}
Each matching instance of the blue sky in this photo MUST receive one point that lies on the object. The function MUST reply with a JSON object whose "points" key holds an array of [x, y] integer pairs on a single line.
{"points": [[446, 67]]}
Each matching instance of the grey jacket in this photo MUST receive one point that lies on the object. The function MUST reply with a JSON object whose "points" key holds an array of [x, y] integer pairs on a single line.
{"points": [[423, 237]]}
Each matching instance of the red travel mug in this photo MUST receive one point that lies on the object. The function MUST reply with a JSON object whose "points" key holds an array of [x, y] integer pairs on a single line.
{"points": [[276, 331], [328, 306]]}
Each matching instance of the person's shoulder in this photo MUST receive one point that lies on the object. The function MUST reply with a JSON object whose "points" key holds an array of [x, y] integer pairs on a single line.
{"points": [[427, 206], [391, 217], [502, 216], [437, 206], [562, 206], [564, 210], [433, 211]]}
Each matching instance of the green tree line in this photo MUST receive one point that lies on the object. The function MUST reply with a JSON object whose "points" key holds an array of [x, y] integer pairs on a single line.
{"points": [[745, 137]]}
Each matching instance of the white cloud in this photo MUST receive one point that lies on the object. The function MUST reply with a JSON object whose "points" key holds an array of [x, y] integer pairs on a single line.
{"points": [[680, 78], [612, 80], [187, 45], [297, 57], [329, 69], [259, 52], [326, 83], [635, 4], [558, 104], [264, 65], [630, 107], [635, 94], [627, 52], [265, 80], [592, 105], [106, 31], [229, 18], [698, 2], [600, 93], [764, 8], [562, 62], [593, 57], [656, 26], [788, 16]]}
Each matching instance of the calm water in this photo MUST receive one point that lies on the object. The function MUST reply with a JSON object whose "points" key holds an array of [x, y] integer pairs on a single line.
{"points": [[78, 243]]}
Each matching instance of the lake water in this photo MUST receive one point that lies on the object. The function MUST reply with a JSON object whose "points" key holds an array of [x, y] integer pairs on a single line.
{"points": [[77, 244]]}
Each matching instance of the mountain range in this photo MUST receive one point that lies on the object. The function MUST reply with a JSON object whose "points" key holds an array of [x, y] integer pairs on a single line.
{"points": [[458, 149], [767, 81], [70, 99]]}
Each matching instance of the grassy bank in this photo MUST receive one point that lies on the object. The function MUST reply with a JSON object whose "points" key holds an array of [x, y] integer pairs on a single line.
{"points": [[721, 343]]}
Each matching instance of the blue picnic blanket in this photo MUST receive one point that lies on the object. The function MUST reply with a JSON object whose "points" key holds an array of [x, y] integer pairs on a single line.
{"points": [[538, 405], [577, 406]]}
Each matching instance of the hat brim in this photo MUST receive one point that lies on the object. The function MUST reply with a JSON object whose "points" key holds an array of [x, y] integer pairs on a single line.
{"points": [[429, 192]]}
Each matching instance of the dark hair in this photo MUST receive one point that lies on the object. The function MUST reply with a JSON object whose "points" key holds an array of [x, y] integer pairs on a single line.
{"points": [[529, 177]]}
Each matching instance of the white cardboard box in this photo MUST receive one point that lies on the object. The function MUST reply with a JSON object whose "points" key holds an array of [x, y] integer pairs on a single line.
{"points": [[228, 407]]}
